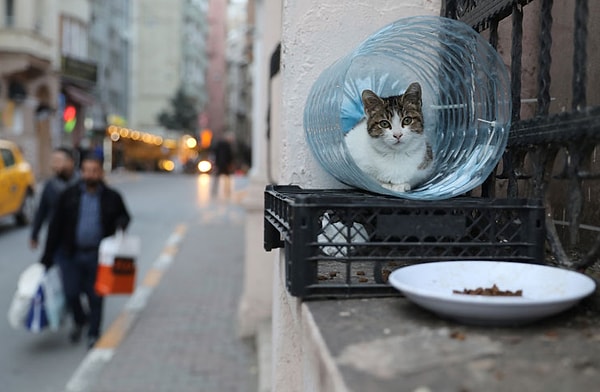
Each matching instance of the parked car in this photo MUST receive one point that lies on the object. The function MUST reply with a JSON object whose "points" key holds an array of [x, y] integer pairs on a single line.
{"points": [[17, 184]]}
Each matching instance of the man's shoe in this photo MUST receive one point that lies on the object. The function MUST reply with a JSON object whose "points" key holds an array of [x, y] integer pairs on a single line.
{"points": [[75, 334], [92, 341]]}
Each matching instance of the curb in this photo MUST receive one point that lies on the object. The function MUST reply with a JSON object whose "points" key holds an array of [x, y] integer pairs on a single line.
{"points": [[91, 366]]}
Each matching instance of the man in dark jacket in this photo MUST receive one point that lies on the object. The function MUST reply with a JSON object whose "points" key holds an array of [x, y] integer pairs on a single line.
{"points": [[223, 151], [62, 163], [85, 213]]}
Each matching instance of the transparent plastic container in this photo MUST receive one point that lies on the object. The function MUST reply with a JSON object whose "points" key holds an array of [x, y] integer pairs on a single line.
{"points": [[466, 102]]}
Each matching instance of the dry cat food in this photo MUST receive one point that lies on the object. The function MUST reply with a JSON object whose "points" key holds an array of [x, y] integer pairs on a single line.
{"points": [[490, 291]]}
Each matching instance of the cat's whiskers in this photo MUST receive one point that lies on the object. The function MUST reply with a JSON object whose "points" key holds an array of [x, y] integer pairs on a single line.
{"points": [[453, 106], [460, 106]]}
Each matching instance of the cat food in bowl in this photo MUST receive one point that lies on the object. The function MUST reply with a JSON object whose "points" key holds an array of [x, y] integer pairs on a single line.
{"points": [[545, 290], [493, 291], [419, 110]]}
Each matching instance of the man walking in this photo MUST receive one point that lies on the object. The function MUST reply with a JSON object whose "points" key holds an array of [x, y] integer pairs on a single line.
{"points": [[85, 213], [62, 163], [223, 151]]}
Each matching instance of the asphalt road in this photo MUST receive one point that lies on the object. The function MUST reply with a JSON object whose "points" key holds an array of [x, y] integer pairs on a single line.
{"points": [[45, 362]]}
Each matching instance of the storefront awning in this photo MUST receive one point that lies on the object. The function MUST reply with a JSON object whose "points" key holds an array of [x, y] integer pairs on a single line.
{"points": [[79, 96]]}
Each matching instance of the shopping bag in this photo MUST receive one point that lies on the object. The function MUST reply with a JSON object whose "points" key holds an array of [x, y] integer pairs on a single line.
{"points": [[27, 286], [47, 307], [54, 297], [116, 264], [36, 318]]}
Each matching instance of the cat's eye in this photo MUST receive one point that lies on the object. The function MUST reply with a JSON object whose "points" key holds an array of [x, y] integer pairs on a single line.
{"points": [[407, 121], [384, 124]]}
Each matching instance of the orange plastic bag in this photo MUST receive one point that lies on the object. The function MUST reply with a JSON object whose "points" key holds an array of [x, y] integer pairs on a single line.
{"points": [[116, 264]]}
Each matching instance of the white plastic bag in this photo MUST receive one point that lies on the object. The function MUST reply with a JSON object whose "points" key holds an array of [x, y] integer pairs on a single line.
{"points": [[47, 306], [54, 297], [36, 318], [39, 301], [29, 281]]}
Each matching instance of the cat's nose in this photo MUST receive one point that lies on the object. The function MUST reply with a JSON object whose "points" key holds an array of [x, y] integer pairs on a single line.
{"points": [[397, 136]]}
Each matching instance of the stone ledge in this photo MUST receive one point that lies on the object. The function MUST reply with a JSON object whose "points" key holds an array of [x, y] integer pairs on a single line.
{"points": [[389, 344]]}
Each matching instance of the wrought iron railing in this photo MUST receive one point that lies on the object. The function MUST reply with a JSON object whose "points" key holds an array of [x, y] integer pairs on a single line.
{"points": [[555, 133]]}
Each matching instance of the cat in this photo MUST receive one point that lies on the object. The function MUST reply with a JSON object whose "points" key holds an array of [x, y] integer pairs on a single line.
{"points": [[389, 143], [340, 234]]}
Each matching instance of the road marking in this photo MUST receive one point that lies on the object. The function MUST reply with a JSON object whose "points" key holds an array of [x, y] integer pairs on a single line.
{"points": [[139, 299], [153, 277], [90, 368], [113, 336], [163, 261], [177, 235], [170, 250]]}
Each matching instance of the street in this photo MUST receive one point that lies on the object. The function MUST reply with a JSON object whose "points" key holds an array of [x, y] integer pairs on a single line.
{"points": [[158, 203]]}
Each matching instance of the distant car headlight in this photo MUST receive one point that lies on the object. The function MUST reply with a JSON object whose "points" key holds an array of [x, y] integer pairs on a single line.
{"points": [[166, 165], [204, 166]]}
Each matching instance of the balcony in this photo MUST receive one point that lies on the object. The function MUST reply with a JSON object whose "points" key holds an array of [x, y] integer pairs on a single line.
{"points": [[26, 42]]}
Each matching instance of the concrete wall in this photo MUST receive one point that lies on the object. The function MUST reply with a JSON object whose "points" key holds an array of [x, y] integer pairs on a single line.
{"points": [[256, 302], [315, 34]]}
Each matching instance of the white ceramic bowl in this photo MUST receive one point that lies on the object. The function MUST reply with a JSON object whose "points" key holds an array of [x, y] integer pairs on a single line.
{"points": [[546, 290]]}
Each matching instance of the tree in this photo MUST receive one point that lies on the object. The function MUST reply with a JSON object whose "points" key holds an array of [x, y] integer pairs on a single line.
{"points": [[182, 116]]}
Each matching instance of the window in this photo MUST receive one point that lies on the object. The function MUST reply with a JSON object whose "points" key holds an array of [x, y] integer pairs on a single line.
{"points": [[74, 38], [38, 23], [7, 157], [10, 13]]}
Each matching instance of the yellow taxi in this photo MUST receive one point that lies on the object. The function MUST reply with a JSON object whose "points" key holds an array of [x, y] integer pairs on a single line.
{"points": [[17, 184]]}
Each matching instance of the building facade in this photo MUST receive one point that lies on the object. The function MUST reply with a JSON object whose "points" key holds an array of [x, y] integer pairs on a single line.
{"points": [[78, 74], [240, 30], [214, 114], [44, 68], [109, 47], [168, 52], [29, 82], [71, 68]]}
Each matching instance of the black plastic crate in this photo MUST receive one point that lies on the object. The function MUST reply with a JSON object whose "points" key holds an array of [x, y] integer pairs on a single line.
{"points": [[344, 243]]}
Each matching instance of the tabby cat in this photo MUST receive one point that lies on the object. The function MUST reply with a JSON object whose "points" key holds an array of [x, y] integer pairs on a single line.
{"points": [[389, 143]]}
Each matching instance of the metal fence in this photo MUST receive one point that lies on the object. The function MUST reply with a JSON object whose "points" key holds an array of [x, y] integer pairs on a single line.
{"points": [[552, 50]]}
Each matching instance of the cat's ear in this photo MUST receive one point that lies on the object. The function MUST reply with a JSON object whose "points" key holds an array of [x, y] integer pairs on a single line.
{"points": [[413, 94], [371, 101]]}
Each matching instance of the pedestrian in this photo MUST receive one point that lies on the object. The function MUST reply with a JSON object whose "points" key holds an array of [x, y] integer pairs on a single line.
{"points": [[223, 151], [62, 163], [85, 213]]}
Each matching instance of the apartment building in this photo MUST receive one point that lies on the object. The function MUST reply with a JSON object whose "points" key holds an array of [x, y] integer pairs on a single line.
{"points": [[109, 47], [240, 31], [45, 72], [70, 68], [168, 52], [29, 82]]}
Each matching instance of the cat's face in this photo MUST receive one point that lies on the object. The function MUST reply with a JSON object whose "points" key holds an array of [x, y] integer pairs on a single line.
{"points": [[394, 121]]}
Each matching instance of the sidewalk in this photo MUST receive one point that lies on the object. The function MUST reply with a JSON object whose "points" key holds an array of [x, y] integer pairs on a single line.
{"points": [[178, 331]]}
